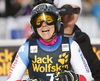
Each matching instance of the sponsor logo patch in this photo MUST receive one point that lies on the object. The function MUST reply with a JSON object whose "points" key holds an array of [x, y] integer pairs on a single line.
{"points": [[65, 47], [33, 49]]}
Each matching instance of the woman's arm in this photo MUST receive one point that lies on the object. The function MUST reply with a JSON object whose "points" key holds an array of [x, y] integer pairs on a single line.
{"points": [[78, 62], [20, 64]]}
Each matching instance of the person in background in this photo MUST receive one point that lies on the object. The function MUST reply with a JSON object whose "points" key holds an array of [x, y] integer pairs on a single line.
{"points": [[2, 8], [17, 8], [69, 18], [47, 54]]}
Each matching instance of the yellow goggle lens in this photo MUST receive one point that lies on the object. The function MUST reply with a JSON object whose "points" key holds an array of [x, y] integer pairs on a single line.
{"points": [[44, 17]]}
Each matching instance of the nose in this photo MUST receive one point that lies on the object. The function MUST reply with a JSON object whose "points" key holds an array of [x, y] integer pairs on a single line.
{"points": [[44, 24]]}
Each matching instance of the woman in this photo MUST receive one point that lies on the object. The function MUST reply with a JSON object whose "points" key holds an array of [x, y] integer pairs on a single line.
{"points": [[46, 52]]}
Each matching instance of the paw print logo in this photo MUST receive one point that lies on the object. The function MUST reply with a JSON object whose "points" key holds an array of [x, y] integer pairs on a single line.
{"points": [[63, 58]]}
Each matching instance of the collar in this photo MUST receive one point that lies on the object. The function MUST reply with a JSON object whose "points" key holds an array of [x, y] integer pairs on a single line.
{"points": [[49, 43]]}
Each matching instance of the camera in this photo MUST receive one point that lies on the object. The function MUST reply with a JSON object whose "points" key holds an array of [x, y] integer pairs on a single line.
{"points": [[68, 10]]}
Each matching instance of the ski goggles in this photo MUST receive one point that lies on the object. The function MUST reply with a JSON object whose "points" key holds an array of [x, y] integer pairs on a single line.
{"points": [[49, 18]]}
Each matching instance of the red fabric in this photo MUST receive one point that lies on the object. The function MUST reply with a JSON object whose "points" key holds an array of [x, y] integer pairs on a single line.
{"points": [[18, 80], [82, 78], [49, 43]]}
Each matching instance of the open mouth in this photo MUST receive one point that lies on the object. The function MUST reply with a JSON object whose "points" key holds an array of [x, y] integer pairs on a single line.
{"points": [[46, 30]]}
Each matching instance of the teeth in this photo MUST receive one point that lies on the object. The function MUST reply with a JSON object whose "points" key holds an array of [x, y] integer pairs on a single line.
{"points": [[45, 30]]}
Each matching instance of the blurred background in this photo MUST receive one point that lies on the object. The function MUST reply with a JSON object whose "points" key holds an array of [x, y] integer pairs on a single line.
{"points": [[15, 28], [15, 18]]}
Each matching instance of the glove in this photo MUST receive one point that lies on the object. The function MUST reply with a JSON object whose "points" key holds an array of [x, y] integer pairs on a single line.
{"points": [[66, 76], [34, 79]]}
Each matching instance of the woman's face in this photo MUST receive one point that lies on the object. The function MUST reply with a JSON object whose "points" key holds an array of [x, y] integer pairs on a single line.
{"points": [[70, 19], [46, 31]]}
